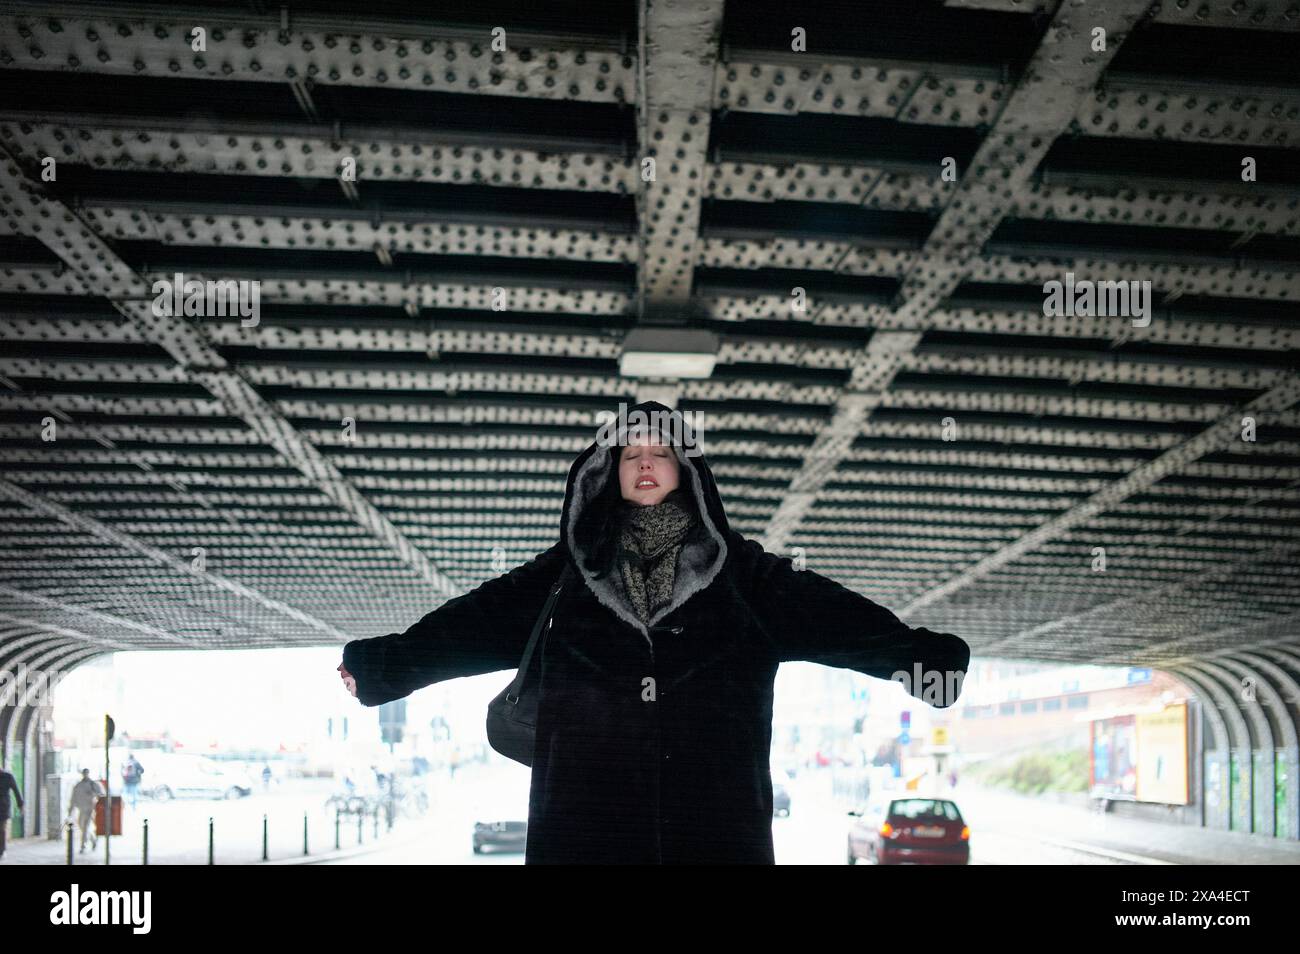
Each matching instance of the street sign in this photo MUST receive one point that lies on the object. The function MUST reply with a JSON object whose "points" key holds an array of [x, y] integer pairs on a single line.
{"points": [[392, 720]]}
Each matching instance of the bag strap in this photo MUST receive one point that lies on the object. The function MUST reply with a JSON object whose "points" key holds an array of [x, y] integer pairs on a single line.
{"points": [[512, 693]]}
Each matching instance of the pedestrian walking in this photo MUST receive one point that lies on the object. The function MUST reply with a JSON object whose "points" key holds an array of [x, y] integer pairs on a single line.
{"points": [[84, 796]]}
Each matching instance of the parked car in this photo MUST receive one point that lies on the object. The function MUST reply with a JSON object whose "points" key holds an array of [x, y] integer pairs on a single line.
{"points": [[919, 831], [500, 816], [195, 776], [505, 835]]}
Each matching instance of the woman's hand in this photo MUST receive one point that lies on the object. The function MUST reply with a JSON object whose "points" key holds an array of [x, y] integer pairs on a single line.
{"points": [[349, 680]]}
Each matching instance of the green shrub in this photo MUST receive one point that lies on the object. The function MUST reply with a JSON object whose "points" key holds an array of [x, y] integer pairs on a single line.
{"points": [[1034, 772]]}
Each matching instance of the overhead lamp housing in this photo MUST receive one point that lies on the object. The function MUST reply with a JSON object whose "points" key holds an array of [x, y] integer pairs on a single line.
{"points": [[668, 353]]}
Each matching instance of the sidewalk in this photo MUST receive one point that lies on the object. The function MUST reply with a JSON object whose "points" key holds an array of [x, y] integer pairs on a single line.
{"points": [[283, 850], [178, 830], [237, 840], [1052, 822]]}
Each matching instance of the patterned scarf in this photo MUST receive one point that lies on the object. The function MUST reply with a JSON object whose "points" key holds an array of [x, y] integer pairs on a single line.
{"points": [[650, 539]]}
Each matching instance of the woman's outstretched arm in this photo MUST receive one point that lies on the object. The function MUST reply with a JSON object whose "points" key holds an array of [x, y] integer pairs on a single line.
{"points": [[811, 617], [484, 630]]}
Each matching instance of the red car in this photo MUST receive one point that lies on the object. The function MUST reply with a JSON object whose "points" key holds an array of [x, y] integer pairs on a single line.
{"points": [[917, 831]]}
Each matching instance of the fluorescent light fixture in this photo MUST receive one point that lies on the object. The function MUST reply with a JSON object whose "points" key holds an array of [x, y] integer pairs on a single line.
{"points": [[668, 353]]}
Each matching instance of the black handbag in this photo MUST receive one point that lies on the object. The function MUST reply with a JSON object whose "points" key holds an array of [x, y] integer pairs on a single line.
{"points": [[512, 715]]}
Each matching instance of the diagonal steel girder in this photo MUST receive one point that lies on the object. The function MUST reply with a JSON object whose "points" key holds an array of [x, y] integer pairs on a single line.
{"points": [[1168, 594], [61, 632], [1140, 478], [99, 616], [1228, 16], [1275, 631], [104, 532], [1061, 74], [104, 273]]}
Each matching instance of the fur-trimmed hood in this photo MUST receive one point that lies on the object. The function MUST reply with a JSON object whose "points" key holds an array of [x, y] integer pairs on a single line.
{"points": [[700, 560]]}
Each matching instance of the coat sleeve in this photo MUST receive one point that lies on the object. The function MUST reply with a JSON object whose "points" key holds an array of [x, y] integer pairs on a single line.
{"points": [[484, 630], [812, 618]]}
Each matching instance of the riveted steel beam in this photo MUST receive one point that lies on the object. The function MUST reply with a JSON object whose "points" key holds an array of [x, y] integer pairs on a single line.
{"points": [[678, 50], [13, 619], [1223, 14], [1049, 93], [1212, 438], [822, 172], [104, 532], [85, 252], [419, 53], [1130, 612]]}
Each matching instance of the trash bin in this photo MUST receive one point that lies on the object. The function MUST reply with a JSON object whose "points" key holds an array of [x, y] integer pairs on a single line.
{"points": [[115, 814]]}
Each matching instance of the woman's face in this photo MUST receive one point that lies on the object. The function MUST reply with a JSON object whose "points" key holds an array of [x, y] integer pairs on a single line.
{"points": [[647, 470]]}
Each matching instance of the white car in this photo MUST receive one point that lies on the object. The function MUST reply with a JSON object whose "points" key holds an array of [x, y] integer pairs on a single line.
{"points": [[193, 776]]}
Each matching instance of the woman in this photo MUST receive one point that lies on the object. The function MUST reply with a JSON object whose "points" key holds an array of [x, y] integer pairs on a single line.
{"points": [[654, 717]]}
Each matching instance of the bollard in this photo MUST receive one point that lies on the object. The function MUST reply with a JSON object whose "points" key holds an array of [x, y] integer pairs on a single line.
{"points": [[69, 826], [361, 823], [336, 829], [146, 841], [264, 856], [304, 833], [210, 861], [376, 822]]}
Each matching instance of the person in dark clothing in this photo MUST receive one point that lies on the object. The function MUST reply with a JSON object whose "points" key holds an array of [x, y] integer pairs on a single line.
{"points": [[132, 773], [654, 716], [8, 784]]}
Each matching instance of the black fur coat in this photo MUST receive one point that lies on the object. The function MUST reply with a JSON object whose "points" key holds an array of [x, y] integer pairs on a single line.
{"points": [[653, 742]]}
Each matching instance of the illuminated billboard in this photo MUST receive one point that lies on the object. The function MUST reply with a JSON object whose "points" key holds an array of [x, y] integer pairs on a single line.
{"points": [[1114, 757], [1162, 756], [1142, 757]]}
